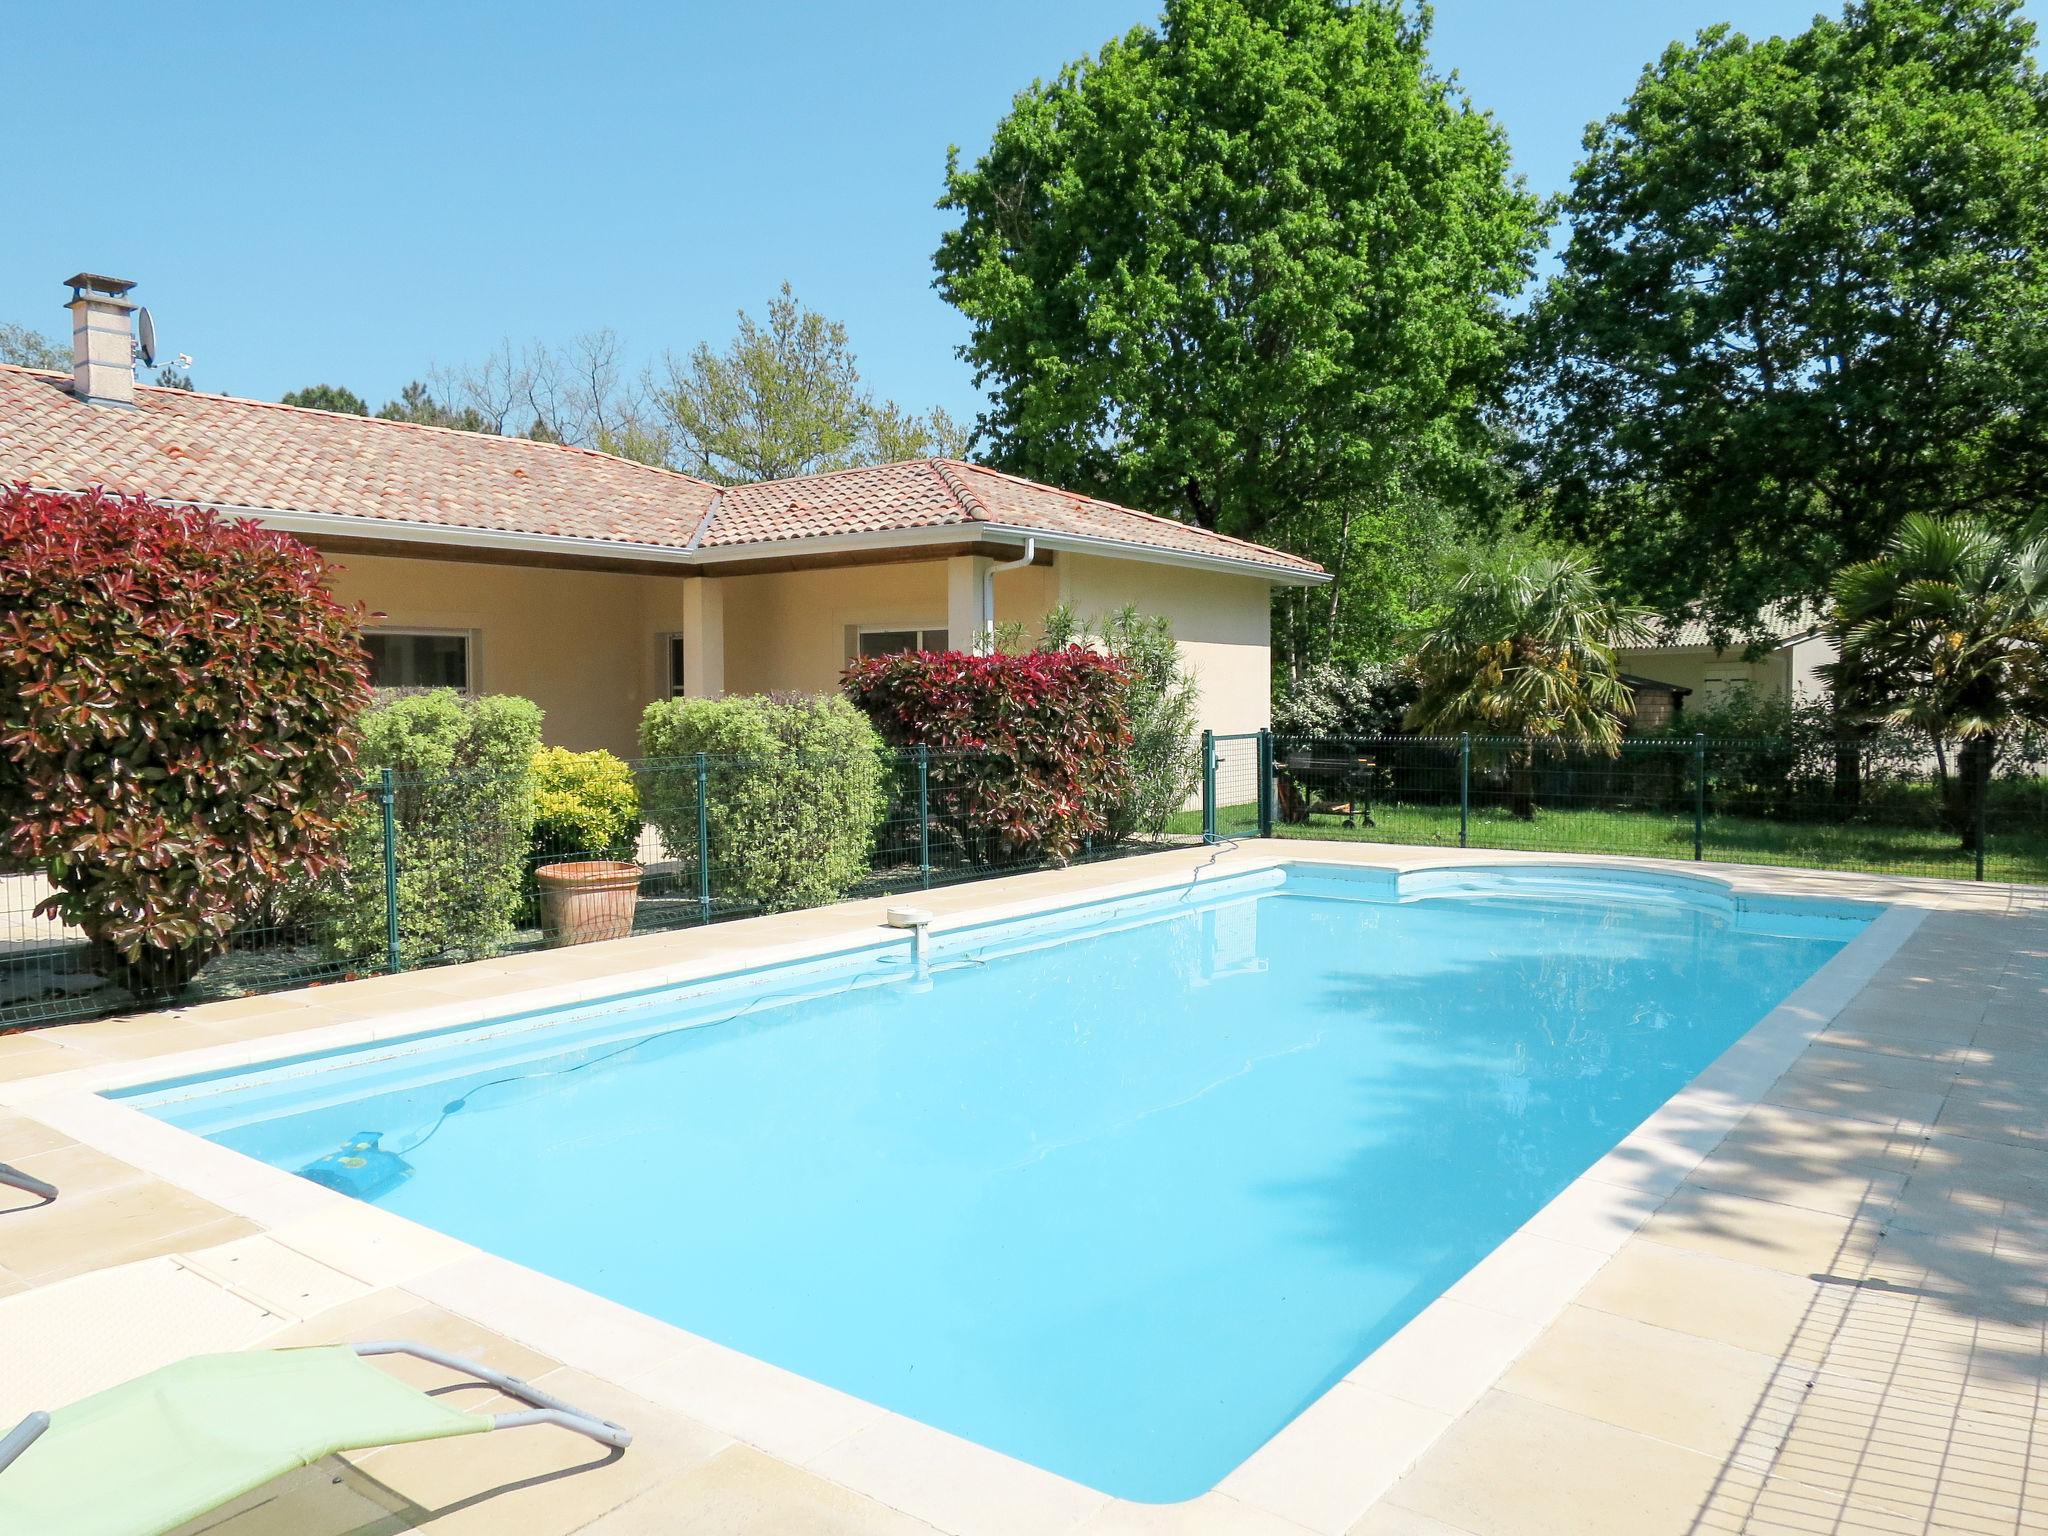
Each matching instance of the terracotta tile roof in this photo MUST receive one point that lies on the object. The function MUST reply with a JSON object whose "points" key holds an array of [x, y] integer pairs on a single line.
{"points": [[178, 445], [936, 493], [1777, 626]]}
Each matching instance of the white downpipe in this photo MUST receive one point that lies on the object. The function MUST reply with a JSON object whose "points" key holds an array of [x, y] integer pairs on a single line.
{"points": [[988, 592]]}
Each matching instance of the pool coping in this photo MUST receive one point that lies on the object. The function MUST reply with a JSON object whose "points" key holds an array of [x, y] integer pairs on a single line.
{"points": [[1320, 1472]]}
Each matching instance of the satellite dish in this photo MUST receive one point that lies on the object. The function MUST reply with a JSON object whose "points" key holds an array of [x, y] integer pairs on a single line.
{"points": [[145, 329]]}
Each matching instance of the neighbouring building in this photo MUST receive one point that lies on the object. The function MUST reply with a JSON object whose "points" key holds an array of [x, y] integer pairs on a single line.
{"points": [[592, 584], [1786, 662]]}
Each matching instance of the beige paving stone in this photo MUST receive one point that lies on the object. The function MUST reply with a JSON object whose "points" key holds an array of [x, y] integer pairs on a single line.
{"points": [[1528, 1276], [1447, 1357], [1781, 1237], [31, 1054], [1342, 1452], [1843, 1037], [774, 1409], [1752, 1308], [1622, 1372], [1213, 1514], [1854, 1099], [1959, 1277], [2015, 1046], [1928, 1031], [22, 1137], [77, 1171], [1787, 1178], [71, 1338], [397, 1314], [541, 1479], [954, 1484], [740, 1491], [1391, 1520], [1789, 1144], [1828, 1062], [1517, 1467], [137, 1219], [281, 1279], [1863, 1451], [163, 1040], [2017, 1119]]}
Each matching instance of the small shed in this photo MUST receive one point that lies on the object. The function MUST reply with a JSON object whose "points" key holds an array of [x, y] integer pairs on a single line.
{"points": [[1657, 704]]}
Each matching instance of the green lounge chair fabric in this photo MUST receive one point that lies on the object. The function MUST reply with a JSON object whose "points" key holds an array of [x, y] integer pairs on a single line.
{"points": [[147, 1456]]}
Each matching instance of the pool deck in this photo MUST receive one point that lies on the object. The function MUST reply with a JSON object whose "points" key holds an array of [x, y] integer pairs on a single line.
{"points": [[1809, 1295]]}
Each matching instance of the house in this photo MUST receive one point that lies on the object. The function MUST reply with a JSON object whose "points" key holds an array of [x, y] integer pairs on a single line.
{"points": [[1786, 662], [592, 584]]}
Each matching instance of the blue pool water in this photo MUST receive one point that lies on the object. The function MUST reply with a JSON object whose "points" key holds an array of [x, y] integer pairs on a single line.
{"points": [[1118, 1192]]}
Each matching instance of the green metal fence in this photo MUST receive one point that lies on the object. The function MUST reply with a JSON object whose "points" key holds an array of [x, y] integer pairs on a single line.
{"points": [[1880, 804], [442, 870]]}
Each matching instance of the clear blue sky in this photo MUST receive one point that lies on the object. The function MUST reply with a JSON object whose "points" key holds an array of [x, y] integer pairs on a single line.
{"points": [[349, 192]]}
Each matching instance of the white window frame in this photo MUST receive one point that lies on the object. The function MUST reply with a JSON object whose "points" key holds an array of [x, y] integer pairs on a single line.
{"points": [[673, 686], [472, 650], [861, 631]]}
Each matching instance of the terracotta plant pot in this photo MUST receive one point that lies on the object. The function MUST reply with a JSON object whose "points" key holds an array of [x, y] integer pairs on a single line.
{"points": [[587, 900]]}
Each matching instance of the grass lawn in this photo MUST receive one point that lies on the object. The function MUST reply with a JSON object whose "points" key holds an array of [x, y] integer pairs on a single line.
{"points": [[1873, 847]]}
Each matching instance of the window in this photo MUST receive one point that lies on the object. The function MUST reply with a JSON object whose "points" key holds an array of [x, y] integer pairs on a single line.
{"points": [[887, 642], [1721, 687], [672, 645], [418, 659]]}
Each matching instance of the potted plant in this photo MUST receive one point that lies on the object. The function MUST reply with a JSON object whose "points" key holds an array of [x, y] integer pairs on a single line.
{"points": [[586, 828], [583, 900]]}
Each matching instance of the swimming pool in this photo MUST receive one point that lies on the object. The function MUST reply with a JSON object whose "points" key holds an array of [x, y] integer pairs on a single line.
{"points": [[1117, 1191]]}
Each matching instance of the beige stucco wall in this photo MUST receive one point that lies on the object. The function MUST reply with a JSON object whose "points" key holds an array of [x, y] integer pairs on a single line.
{"points": [[1222, 623], [1707, 674], [788, 630], [581, 644], [587, 645]]}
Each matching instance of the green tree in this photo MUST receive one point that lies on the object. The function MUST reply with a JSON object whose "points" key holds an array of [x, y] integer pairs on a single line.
{"points": [[1249, 269], [1803, 299], [26, 348], [417, 404], [328, 397], [1525, 648], [783, 399], [891, 433], [1951, 622]]}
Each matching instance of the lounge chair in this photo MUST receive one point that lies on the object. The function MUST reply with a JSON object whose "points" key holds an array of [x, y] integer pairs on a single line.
{"points": [[147, 1456]]}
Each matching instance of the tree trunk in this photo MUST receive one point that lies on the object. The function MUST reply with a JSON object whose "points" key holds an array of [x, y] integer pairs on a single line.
{"points": [[1848, 788], [1522, 784], [1970, 788]]}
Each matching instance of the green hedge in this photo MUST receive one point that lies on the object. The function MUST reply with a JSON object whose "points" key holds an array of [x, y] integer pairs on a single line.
{"points": [[465, 814], [796, 794]]}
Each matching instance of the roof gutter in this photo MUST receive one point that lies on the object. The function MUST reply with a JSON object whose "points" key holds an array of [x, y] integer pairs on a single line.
{"points": [[1117, 549], [988, 591]]}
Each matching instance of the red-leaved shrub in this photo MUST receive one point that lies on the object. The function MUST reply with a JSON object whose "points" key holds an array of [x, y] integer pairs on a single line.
{"points": [[1029, 753], [177, 703]]}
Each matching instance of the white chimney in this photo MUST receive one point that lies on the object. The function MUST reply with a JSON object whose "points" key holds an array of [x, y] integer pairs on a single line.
{"points": [[102, 339]]}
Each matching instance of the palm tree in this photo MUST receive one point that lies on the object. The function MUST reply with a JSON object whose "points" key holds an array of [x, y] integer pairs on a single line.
{"points": [[1525, 648], [1951, 623]]}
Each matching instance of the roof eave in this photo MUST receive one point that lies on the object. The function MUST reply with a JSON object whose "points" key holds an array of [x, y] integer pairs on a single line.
{"points": [[1153, 554], [340, 524]]}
